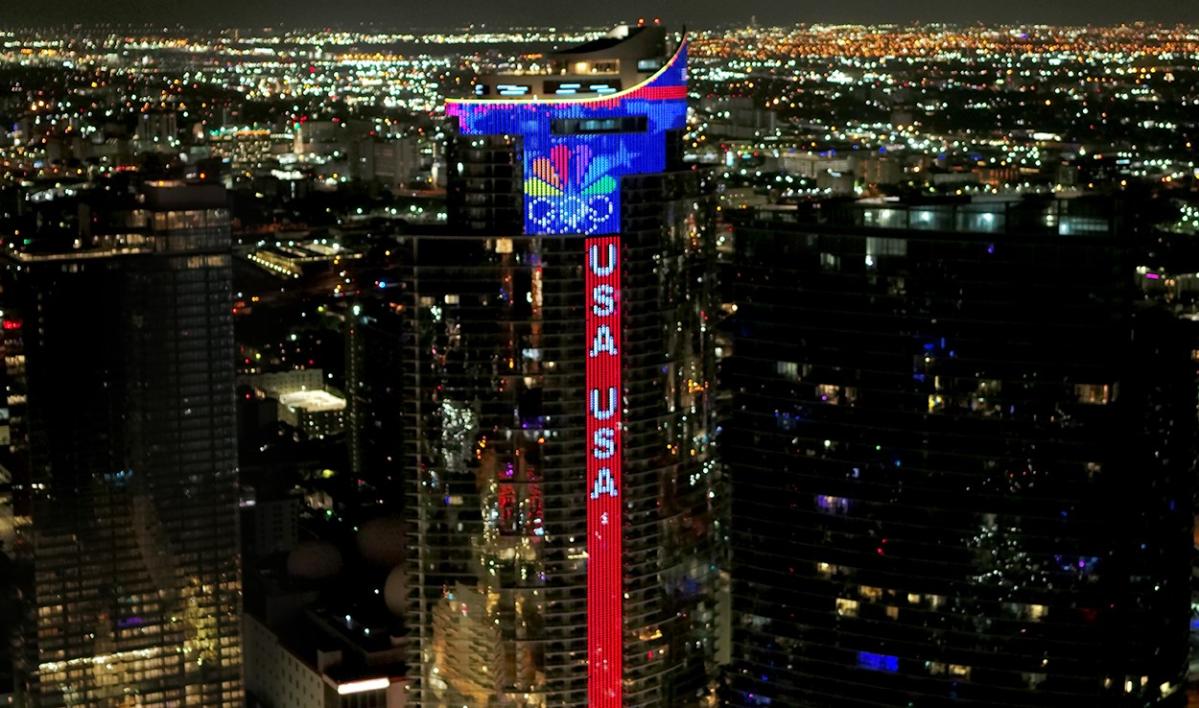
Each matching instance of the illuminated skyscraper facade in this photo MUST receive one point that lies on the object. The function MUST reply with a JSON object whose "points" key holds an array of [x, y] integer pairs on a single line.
{"points": [[119, 359], [962, 449], [568, 543]]}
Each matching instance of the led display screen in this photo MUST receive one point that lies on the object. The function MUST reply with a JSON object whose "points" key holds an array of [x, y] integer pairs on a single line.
{"points": [[572, 182], [603, 375]]}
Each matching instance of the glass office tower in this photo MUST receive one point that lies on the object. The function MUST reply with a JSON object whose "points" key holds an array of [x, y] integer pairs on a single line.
{"points": [[962, 450], [567, 542], [119, 365]]}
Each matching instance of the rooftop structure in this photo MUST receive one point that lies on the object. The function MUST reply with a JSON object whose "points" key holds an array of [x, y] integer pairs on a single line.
{"points": [[313, 401], [626, 57]]}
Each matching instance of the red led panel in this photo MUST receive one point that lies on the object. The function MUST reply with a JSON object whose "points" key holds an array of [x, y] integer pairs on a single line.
{"points": [[604, 582]]}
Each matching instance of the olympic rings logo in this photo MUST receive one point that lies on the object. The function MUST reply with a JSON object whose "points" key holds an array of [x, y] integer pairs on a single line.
{"points": [[577, 214]]}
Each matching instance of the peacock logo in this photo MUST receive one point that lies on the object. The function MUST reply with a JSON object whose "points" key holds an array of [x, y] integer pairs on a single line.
{"points": [[571, 192]]}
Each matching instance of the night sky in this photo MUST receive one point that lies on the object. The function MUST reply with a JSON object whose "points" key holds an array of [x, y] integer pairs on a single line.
{"points": [[423, 13]]}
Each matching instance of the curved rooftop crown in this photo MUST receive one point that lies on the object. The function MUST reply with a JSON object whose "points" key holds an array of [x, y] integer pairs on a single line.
{"points": [[622, 59], [578, 142]]}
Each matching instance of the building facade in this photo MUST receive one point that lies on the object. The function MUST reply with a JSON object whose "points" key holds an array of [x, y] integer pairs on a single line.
{"points": [[962, 448], [567, 540], [120, 355]]}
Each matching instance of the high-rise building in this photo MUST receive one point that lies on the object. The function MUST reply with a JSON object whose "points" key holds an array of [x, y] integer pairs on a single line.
{"points": [[374, 424], [119, 365], [567, 543], [961, 447]]}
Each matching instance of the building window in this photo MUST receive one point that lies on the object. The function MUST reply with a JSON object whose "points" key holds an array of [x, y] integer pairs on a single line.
{"points": [[870, 593], [1034, 679], [1093, 394], [512, 89], [878, 662], [1023, 611], [827, 570], [828, 393], [788, 370], [831, 504], [847, 607], [591, 126]]}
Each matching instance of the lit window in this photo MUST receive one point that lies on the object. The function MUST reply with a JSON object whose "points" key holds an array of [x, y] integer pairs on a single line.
{"points": [[1027, 612], [878, 662], [832, 505], [847, 607], [512, 89], [1093, 394], [876, 246], [870, 593], [829, 393]]}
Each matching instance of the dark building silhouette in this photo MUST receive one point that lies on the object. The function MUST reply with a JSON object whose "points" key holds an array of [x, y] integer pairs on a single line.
{"points": [[119, 364], [962, 448], [374, 386]]}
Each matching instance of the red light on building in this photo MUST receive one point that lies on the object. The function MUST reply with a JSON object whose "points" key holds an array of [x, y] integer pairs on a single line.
{"points": [[604, 560]]}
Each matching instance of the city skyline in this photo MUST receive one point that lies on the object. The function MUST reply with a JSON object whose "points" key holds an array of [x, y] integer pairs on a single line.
{"points": [[656, 364], [706, 13]]}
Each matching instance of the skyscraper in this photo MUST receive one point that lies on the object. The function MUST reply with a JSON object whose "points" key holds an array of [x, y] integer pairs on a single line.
{"points": [[374, 356], [119, 358], [962, 449], [567, 542]]}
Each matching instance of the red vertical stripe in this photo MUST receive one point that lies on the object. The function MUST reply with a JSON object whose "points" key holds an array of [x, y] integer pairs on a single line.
{"points": [[604, 396]]}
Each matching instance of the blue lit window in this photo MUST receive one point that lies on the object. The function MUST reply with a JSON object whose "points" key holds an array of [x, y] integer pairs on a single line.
{"points": [[878, 662], [512, 89]]}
